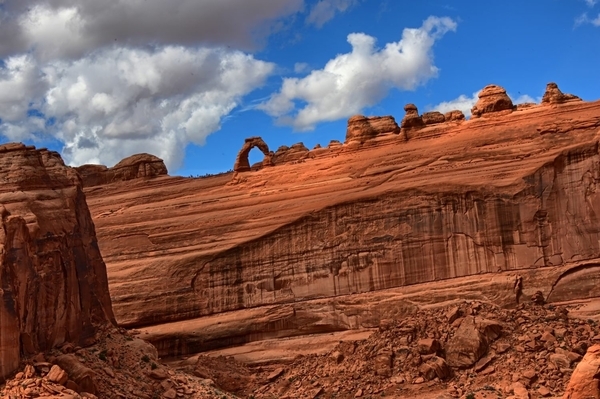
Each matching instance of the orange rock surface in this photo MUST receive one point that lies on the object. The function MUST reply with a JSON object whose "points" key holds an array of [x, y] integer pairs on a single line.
{"points": [[352, 234], [53, 283]]}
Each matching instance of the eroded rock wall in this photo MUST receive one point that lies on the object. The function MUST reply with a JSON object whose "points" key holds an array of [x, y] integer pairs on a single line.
{"points": [[53, 280], [414, 237]]}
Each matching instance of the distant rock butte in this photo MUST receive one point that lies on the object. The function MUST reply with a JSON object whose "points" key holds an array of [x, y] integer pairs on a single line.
{"points": [[350, 234], [53, 282], [133, 167]]}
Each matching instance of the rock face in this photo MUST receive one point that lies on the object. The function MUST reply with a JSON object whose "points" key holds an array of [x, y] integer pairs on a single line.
{"points": [[585, 381], [492, 98], [553, 95], [53, 282], [241, 162], [363, 128], [133, 167], [462, 212]]}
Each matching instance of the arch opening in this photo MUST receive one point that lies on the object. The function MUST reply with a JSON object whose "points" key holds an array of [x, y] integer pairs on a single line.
{"points": [[242, 164]]}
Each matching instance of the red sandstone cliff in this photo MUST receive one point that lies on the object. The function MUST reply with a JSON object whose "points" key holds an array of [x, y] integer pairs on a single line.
{"points": [[53, 282], [467, 204]]}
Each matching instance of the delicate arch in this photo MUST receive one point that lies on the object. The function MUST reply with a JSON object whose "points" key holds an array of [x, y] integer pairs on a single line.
{"points": [[241, 162]]}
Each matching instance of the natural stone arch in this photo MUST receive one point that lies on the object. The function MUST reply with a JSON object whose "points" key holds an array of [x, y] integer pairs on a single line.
{"points": [[241, 162]]}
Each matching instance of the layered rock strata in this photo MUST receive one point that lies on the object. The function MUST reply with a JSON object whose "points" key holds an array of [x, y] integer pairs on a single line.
{"points": [[466, 205], [53, 283], [133, 167]]}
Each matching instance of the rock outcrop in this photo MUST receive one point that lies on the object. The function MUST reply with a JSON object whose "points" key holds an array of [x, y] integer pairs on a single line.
{"points": [[432, 118], [286, 154], [362, 128], [133, 167], [585, 381], [553, 95], [492, 98], [352, 236], [241, 162], [453, 116], [53, 282], [411, 119]]}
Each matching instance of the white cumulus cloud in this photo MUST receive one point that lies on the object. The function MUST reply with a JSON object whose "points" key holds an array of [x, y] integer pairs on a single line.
{"points": [[119, 101], [110, 79], [352, 81]]}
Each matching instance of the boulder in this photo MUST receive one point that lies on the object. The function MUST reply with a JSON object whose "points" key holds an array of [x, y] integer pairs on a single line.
{"points": [[435, 367], [553, 95], [83, 376], [362, 128], [491, 99], [467, 345], [585, 380]]}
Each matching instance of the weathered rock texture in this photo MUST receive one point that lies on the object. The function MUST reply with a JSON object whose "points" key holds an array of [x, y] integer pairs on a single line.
{"points": [[553, 95], [133, 167], [53, 283], [585, 381], [241, 162], [363, 128], [411, 119], [284, 154], [492, 98], [291, 247]]}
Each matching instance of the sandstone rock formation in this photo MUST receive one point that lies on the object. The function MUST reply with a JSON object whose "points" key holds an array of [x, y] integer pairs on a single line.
{"points": [[133, 167], [363, 128], [53, 281], [286, 154], [431, 118], [311, 247], [241, 162], [492, 98], [411, 119], [585, 381], [455, 115], [553, 95]]}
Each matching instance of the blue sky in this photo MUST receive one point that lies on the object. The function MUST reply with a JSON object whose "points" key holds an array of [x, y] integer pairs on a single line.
{"points": [[188, 80]]}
